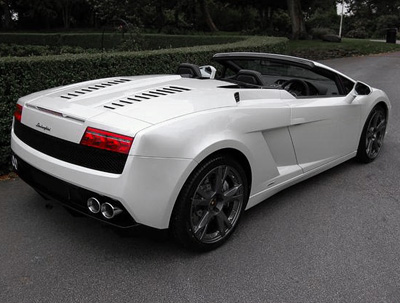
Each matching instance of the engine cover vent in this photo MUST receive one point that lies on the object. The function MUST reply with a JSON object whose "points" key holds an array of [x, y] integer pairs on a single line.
{"points": [[146, 95], [93, 88]]}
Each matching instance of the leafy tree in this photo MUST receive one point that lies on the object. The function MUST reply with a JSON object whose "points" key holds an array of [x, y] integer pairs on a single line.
{"points": [[36, 14], [106, 10], [270, 16], [175, 16], [323, 22], [66, 7], [372, 17], [5, 14]]}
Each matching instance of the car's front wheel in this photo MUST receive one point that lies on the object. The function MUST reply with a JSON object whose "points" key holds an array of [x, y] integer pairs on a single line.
{"points": [[372, 136], [210, 204]]}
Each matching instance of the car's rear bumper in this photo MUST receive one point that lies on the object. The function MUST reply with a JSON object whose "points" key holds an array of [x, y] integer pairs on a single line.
{"points": [[69, 195], [146, 190]]}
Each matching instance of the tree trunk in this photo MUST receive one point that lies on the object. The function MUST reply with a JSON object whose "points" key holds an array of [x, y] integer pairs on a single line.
{"points": [[66, 12], [160, 16], [296, 16], [207, 16], [7, 16], [261, 14], [270, 19]]}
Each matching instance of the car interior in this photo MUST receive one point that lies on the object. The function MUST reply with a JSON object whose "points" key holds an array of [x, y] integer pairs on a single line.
{"points": [[301, 80]]}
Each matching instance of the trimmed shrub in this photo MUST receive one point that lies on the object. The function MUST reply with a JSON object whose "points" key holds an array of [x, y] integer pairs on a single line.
{"points": [[154, 41], [91, 40], [359, 33], [319, 32], [15, 50], [115, 40], [22, 76]]}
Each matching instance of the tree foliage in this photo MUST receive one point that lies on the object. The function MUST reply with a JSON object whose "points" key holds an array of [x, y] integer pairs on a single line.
{"points": [[294, 18], [371, 17]]}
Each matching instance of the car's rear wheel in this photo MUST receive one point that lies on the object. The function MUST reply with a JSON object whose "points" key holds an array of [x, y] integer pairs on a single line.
{"points": [[210, 204], [372, 136]]}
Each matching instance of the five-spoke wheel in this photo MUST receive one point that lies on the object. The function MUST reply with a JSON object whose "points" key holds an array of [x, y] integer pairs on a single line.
{"points": [[210, 204]]}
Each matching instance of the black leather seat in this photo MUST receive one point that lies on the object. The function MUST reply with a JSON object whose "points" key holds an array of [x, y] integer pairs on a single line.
{"points": [[250, 77], [188, 70]]}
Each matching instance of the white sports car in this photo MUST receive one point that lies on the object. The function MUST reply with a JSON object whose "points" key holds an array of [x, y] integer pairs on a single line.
{"points": [[191, 151]]}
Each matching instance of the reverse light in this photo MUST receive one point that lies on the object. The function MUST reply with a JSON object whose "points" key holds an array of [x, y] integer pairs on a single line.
{"points": [[18, 112], [107, 140]]}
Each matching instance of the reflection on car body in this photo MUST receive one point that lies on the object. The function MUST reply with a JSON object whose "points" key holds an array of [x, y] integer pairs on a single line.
{"points": [[191, 151]]}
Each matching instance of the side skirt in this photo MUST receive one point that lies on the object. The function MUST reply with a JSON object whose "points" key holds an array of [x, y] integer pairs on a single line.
{"points": [[262, 195]]}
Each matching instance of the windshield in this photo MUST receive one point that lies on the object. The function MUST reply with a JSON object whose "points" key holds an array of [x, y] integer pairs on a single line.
{"points": [[274, 68], [301, 78]]}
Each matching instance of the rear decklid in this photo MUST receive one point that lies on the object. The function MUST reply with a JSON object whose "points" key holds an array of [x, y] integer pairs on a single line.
{"points": [[65, 112], [121, 104]]}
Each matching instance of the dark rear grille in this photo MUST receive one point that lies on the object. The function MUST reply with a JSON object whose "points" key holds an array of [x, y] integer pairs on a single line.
{"points": [[147, 95], [70, 152], [93, 88], [69, 195]]}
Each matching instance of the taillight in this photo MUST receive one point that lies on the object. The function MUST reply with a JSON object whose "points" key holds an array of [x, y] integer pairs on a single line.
{"points": [[106, 140], [18, 112]]}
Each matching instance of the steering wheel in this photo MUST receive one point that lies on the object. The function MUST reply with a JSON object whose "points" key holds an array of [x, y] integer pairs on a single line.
{"points": [[297, 87]]}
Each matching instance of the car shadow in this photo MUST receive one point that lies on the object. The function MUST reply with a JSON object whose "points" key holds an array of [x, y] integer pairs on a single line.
{"points": [[339, 175], [145, 242]]}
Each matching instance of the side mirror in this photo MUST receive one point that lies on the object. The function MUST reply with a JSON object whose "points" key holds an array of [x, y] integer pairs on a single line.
{"points": [[362, 89], [359, 89]]}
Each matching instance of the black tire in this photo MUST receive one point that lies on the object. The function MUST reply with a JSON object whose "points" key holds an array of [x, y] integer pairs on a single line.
{"points": [[372, 136], [210, 204]]}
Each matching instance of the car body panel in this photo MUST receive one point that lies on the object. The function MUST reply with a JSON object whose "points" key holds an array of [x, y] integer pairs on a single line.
{"points": [[323, 130], [178, 122]]}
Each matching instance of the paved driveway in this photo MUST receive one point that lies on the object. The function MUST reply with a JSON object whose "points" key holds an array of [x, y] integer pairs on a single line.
{"points": [[333, 238]]}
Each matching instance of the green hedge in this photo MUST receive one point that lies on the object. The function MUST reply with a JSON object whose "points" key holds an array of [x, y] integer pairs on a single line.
{"points": [[90, 40], [16, 50], [151, 42], [114, 40], [21, 76]]}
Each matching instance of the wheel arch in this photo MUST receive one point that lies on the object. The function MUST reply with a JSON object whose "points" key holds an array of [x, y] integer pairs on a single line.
{"points": [[234, 153], [379, 103], [378, 99], [367, 150], [384, 106], [238, 156], [190, 217]]}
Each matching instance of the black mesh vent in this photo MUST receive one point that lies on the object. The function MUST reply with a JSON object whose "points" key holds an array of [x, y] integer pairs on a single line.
{"points": [[151, 94], [70, 195], [93, 88], [70, 152]]}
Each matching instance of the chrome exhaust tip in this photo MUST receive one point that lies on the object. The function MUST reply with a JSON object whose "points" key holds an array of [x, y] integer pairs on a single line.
{"points": [[93, 205], [109, 211]]}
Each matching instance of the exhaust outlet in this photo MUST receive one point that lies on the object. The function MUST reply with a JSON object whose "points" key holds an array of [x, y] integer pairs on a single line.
{"points": [[109, 211], [93, 205]]}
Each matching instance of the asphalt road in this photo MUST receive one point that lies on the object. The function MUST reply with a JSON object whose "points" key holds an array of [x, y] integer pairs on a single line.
{"points": [[333, 238]]}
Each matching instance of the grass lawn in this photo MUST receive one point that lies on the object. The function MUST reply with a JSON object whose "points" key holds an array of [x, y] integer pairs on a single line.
{"points": [[319, 50]]}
